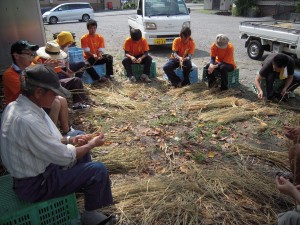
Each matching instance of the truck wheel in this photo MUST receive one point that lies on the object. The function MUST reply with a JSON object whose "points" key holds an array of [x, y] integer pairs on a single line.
{"points": [[85, 18], [53, 20], [255, 49]]}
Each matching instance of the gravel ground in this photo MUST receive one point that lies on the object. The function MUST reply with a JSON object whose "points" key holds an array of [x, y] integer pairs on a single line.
{"points": [[113, 26]]}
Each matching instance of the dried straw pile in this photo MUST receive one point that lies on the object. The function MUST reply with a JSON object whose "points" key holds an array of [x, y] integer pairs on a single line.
{"points": [[235, 188]]}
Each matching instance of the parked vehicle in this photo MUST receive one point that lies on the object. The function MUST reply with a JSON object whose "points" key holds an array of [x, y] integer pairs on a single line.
{"points": [[272, 36], [160, 21], [81, 11]]}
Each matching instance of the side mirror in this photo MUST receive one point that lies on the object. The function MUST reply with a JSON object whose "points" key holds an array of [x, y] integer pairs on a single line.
{"points": [[59, 9], [139, 12], [189, 9]]}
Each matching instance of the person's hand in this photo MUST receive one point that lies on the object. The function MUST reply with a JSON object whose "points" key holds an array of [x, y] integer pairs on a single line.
{"points": [[292, 133], [133, 59], [211, 68], [283, 92], [80, 140], [97, 140], [139, 60], [52, 62], [260, 94], [286, 187], [100, 56]]}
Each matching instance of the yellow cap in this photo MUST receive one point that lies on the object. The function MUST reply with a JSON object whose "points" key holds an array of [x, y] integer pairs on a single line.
{"points": [[64, 37]]}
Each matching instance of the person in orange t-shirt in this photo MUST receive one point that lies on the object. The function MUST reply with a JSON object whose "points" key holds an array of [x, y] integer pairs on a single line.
{"points": [[94, 49], [222, 59], [22, 54], [183, 49], [136, 51]]}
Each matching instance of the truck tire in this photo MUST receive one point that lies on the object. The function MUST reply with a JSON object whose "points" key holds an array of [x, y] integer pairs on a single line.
{"points": [[255, 49], [53, 20]]}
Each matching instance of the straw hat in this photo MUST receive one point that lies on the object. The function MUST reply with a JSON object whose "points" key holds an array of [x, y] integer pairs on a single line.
{"points": [[51, 51], [222, 41]]}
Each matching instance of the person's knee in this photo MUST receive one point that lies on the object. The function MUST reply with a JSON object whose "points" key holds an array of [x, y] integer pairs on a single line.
{"points": [[165, 68], [100, 170], [289, 218]]}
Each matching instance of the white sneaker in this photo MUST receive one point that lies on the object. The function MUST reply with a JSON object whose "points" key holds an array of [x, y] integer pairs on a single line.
{"points": [[132, 79], [79, 105], [145, 78]]}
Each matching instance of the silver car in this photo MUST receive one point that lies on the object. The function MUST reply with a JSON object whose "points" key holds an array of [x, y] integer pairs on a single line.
{"points": [[81, 11]]}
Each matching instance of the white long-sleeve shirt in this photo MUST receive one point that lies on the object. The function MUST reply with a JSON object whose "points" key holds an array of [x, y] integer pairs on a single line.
{"points": [[30, 141]]}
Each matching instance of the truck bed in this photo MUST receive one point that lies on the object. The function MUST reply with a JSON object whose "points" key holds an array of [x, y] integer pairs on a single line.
{"points": [[281, 31]]}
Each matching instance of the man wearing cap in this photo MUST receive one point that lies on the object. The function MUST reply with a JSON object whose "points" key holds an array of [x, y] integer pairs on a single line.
{"points": [[22, 53], [222, 59], [57, 57], [277, 66], [94, 49], [183, 49], [44, 164]]}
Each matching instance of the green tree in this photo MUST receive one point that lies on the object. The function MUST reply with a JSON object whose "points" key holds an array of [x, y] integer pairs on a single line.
{"points": [[243, 5]]}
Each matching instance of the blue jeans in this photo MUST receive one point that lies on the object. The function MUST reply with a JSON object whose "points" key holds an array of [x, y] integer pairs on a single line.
{"points": [[173, 64], [88, 177]]}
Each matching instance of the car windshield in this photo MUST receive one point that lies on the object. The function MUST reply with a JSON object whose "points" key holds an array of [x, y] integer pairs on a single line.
{"points": [[165, 8]]}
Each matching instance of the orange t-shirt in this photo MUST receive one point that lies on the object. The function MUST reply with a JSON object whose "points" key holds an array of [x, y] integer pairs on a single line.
{"points": [[225, 55], [136, 48], [11, 85], [187, 48], [39, 60], [93, 42]]}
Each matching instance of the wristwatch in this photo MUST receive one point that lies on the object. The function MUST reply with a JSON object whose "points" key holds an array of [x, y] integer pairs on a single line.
{"points": [[68, 139]]}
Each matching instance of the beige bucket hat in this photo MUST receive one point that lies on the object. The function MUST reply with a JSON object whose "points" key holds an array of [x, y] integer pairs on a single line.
{"points": [[51, 51]]}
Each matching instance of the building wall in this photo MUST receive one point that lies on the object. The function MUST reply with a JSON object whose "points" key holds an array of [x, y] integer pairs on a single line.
{"points": [[96, 4], [224, 4]]}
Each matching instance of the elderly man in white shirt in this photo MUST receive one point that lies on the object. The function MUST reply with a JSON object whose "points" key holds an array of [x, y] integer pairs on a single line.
{"points": [[44, 164]]}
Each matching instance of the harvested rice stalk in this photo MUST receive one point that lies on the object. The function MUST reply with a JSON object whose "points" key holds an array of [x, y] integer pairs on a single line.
{"points": [[279, 159], [216, 103]]}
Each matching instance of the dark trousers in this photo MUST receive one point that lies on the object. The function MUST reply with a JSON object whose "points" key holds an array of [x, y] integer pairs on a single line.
{"points": [[146, 62], [173, 64], [88, 177], [108, 59], [74, 84], [270, 78], [223, 68]]}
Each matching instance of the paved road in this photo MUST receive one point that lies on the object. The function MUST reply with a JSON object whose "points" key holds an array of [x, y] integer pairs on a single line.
{"points": [[113, 26]]}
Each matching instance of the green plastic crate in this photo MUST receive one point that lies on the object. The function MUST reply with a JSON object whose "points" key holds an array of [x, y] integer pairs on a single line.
{"points": [[57, 211], [233, 77], [137, 70]]}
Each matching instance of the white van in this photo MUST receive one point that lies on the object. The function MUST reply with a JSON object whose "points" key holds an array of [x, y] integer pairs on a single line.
{"points": [[160, 21], [81, 11]]}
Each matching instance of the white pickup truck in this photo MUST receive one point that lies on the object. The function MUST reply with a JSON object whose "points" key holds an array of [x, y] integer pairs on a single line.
{"points": [[160, 21], [273, 36]]}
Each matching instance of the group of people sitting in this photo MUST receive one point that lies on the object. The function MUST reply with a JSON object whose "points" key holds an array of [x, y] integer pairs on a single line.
{"points": [[36, 88]]}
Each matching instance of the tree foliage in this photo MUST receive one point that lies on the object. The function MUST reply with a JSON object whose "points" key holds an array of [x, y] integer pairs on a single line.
{"points": [[243, 5]]}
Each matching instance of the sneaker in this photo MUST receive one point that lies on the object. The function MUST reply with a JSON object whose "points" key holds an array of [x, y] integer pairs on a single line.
{"points": [[145, 78], [78, 106], [132, 79], [292, 94]]}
